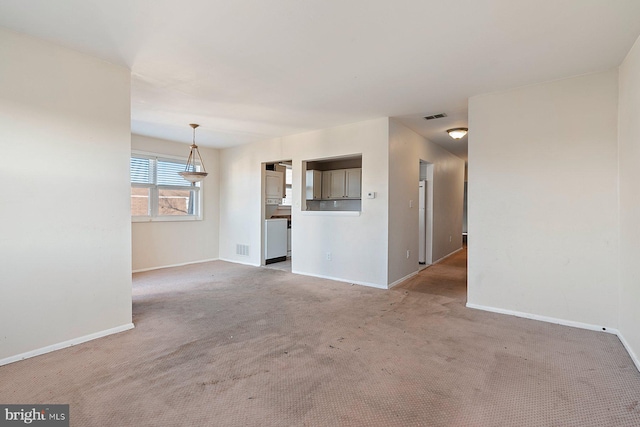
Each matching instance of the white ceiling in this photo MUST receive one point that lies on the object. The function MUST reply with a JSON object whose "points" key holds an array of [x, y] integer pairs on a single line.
{"points": [[249, 70]]}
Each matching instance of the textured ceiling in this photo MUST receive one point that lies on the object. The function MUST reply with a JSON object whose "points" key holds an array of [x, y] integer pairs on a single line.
{"points": [[253, 70]]}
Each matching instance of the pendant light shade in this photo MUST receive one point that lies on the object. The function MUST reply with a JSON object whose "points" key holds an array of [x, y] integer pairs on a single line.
{"points": [[190, 173], [457, 133]]}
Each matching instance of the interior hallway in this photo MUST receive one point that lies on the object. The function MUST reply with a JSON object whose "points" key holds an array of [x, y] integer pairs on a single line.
{"points": [[447, 278], [231, 345]]}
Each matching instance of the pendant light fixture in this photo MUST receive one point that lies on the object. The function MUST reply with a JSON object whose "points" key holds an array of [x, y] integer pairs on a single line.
{"points": [[457, 133], [190, 173]]}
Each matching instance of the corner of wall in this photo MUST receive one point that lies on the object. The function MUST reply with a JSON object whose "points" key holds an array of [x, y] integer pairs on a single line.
{"points": [[628, 203]]}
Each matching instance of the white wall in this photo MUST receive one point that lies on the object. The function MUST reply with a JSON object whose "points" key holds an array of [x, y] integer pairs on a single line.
{"points": [[543, 206], [358, 243], [406, 149], [629, 144], [164, 243], [65, 249]]}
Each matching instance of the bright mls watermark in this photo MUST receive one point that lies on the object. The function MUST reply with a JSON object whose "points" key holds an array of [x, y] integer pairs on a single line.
{"points": [[34, 415]]}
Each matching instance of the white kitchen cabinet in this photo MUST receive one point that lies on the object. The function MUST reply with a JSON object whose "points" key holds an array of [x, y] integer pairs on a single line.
{"points": [[353, 186], [326, 184], [313, 185], [337, 185], [341, 184]]}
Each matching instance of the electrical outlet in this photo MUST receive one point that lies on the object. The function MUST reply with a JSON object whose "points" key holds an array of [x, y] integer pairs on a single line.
{"points": [[449, 238], [328, 256], [408, 253], [410, 203]]}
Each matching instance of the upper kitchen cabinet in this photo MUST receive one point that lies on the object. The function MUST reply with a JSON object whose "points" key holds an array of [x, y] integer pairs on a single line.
{"points": [[333, 184], [314, 185], [341, 183], [353, 184]]}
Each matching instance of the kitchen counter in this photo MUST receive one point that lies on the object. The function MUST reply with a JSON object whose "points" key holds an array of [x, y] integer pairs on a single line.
{"points": [[287, 217]]}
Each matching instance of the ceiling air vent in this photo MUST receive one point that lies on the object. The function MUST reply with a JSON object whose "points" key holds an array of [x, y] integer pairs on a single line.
{"points": [[436, 116]]}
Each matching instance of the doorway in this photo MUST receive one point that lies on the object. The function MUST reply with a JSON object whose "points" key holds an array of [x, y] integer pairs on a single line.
{"points": [[425, 215], [277, 180]]}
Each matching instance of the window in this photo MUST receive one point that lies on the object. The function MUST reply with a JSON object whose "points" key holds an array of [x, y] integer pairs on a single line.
{"points": [[158, 193], [288, 180]]}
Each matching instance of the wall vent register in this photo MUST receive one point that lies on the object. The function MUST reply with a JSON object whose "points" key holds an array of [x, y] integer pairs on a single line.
{"points": [[435, 116]]}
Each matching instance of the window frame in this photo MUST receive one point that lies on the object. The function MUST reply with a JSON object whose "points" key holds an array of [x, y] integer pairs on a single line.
{"points": [[154, 188], [288, 186]]}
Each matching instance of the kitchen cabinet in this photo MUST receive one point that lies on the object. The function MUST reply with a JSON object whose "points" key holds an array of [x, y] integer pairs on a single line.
{"points": [[333, 184], [313, 185], [342, 184], [353, 183]]}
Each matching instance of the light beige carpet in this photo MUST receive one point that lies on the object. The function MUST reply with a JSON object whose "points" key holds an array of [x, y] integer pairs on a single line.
{"points": [[219, 344]]}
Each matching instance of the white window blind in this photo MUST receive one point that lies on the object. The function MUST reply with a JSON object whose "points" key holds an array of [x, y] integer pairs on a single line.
{"points": [[168, 173], [141, 171], [158, 192]]}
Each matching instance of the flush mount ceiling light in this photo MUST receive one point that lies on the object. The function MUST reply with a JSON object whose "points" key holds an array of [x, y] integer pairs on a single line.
{"points": [[457, 133], [190, 173]]}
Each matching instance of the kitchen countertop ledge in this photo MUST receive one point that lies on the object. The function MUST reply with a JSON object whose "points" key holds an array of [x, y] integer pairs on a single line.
{"points": [[331, 213]]}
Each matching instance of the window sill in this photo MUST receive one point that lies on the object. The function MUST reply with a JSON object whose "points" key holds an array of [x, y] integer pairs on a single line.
{"points": [[165, 218]]}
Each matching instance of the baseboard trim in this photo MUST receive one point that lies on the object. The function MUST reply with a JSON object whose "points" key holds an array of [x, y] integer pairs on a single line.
{"points": [[175, 265], [563, 322], [543, 318], [407, 277], [65, 344], [446, 256], [274, 260], [422, 267], [235, 261], [320, 276], [337, 279], [634, 357]]}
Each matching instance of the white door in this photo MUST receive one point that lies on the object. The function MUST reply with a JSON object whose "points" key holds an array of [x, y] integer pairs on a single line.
{"points": [[429, 221], [422, 222], [425, 222]]}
